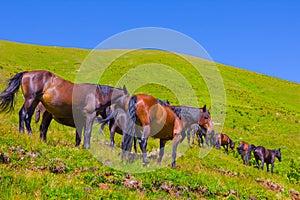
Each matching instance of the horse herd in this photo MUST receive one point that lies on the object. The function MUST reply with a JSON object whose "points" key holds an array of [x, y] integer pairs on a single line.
{"points": [[244, 149], [136, 117]]}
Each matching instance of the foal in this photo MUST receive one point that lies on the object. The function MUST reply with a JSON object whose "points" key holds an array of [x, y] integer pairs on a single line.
{"points": [[225, 141], [266, 155]]}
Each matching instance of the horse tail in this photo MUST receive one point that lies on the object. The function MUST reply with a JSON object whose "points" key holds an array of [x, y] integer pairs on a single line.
{"points": [[105, 121], [132, 108], [7, 97]]}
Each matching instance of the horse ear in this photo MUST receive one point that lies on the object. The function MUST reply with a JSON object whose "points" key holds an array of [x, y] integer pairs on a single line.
{"points": [[279, 149], [204, 108], [125, 89], [168, 102]]}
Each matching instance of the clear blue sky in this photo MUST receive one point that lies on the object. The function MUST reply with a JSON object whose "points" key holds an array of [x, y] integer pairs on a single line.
{"points": [[261, 36]]}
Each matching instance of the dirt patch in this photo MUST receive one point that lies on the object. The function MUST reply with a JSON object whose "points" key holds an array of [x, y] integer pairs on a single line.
{"points": [[270, 185], [294, 194], [132, 183], [4, 158]]}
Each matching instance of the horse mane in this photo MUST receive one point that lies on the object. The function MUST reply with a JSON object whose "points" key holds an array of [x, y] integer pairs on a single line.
{"points": [[177, 110], [104, 89], [163, 103]]}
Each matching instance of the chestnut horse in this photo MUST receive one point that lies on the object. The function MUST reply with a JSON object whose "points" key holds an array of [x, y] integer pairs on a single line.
{"points": [[117, 118], [225, 141], [68, 103], [158, 120], [266, 156], [244, 149]]}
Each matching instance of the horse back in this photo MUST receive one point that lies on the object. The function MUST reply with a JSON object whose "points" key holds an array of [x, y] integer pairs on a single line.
{"points": [[34, 82], [223, 139], [244, 146]]}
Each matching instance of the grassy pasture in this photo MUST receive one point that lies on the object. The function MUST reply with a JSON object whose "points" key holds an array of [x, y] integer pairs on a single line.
{"points": [[259, 109]]}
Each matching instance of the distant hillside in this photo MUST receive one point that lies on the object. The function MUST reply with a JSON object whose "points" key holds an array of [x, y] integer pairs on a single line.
{"points": [[259, 109]]}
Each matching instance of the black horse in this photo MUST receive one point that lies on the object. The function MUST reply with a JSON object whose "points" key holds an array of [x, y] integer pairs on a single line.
{"points": [[266, 156]]}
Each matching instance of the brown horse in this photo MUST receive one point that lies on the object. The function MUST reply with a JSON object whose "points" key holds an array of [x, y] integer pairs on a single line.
{"points": [[158, 119], [75, 105], [266, 156], [225, 141], [244, 149]]}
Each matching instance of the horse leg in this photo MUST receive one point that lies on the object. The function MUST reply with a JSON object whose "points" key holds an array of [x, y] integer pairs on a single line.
{"points": [[126, 145], [47, 117], [272, 167], [176, 140], [226, 148], [134, 145], [162, 144], [78, 133], [88, 129], [25, 114], [188, 136], [144, 141], [199, 139], [262, 163], [267, 167], [112, 128]]}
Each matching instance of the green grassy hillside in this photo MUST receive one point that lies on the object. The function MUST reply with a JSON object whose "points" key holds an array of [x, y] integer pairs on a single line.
{"points": [[261, 110]]}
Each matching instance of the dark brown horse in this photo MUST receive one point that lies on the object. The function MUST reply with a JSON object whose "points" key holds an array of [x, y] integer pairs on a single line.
{"points": [[224, 141], [74, 105], [191, 115], [244, 149], [202, 135], [266, 156]]}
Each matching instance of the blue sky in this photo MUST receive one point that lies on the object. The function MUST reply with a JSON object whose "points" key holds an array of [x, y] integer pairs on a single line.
{"points": [[261, 36]]}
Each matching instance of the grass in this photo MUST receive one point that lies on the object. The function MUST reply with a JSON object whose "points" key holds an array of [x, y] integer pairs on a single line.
{"points": [[259, 109]]}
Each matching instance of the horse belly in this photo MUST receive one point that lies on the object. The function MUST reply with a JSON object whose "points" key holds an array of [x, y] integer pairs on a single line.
{"points": [[65, 121], [165, 132]]}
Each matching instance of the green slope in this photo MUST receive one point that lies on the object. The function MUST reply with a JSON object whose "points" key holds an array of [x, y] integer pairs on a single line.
{"points": [[259, 109]]}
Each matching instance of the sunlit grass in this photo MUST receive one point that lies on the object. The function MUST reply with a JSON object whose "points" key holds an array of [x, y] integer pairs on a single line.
{"points": [[260, 110]]}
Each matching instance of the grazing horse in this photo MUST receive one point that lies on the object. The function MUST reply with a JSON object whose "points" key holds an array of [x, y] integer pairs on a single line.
{"points": [[117, 118], [159, 121], [191, 115], [66, 102], [244, 149], [196, 129], [225, 141], [266, 156]]}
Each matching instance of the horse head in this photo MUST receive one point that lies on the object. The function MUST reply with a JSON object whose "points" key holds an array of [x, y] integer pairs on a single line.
{"points": [[205, 119], [231, 144], [121, 98], [278, 154]]}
